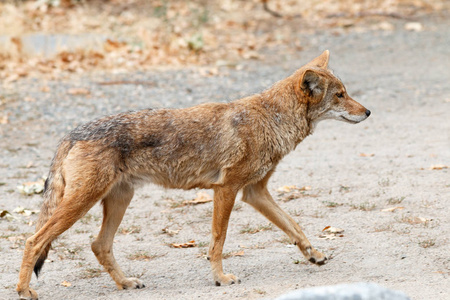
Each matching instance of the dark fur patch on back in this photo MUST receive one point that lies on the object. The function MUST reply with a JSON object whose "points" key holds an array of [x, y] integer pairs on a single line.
{"points": [[151, 140]]}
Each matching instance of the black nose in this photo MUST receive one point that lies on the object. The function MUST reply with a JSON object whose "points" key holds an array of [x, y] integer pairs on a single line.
{"points": [[367, 112]]}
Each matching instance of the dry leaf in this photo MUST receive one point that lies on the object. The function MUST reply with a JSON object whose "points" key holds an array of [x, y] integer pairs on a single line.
{"points": [[29, 99], [30, 188], [438, 167], [66, 283], [25, 212], [392, 209], [202, 197], [45, 89], [292, 192], [367, 154], [331, 233], [333, 230], [11, 78], [414, 26], [189, 244], [170, 232], [290, 188], [329, 236], [78, 91], [419, 220], [4, 119], [231, 254], [6, 214], [111, 45]]}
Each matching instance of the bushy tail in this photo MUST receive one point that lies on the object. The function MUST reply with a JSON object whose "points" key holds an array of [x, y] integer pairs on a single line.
{"points": [[53, 194]]}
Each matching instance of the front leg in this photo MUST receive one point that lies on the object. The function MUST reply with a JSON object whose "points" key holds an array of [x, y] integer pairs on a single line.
{"points": [[223, 204], [259, 197]]}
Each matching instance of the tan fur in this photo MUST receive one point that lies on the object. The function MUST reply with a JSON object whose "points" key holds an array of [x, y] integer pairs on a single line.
{"points": [[225, 147]]}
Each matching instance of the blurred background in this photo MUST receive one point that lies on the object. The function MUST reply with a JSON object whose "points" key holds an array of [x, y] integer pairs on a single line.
{"points": [[54, 37]]}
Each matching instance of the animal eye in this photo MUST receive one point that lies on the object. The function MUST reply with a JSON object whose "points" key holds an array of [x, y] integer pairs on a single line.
{"points": [[340, 95]]}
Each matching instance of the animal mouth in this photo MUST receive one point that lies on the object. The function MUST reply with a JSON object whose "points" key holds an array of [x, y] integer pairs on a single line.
{"points": [[350, 121]]}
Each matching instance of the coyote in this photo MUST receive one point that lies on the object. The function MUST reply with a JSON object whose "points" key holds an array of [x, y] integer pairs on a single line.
{"points": [[227, 147]]}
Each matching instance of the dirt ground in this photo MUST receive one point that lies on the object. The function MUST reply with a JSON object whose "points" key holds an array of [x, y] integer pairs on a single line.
{"points": [[385, 182]]}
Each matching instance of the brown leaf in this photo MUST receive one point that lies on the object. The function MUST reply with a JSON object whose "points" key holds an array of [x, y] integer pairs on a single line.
{"points": [[4, 119], [290, 188], [366, 154], [392, 209], [189, 244], [438, 167], [66, 283], [29, 99], [78, 91], [328, 236], [111, 45], [45, 89], [202, 197], [333, 230], [231, 254]]}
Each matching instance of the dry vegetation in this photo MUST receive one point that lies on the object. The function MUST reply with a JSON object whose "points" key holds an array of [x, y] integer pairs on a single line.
{"points": [[139, 34]]}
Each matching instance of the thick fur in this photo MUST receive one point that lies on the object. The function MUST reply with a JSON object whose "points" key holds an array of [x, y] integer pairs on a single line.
{"points": [[226, 147]]}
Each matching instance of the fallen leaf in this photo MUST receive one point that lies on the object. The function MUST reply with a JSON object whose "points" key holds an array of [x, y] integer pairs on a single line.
{"points": [[414, 26], [45, 89], [30, 188], [111, 45], [419, 220], [438, 167], [333, 230], [66, 283], [11, 78], [5, 214], [367, 154], [392, 209], [189, 244], [202, 197], [290, 188], [78, 91], [29, 99], [386, 26], [4, 119], [328, 236], [331, 233], [25, 212], [231, 254], [170, 231]]}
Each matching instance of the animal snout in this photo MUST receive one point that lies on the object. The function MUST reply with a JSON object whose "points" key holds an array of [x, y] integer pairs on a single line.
{"points": [[367, 112]]}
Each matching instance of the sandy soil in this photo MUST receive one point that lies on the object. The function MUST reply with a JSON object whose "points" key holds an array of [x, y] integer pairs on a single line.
{"points": [[355, 172]]}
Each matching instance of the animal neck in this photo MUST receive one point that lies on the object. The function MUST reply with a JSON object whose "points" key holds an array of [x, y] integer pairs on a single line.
{"points": [[286, 113]]}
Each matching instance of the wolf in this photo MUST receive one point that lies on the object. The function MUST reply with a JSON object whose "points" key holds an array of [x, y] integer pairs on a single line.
{"points": [[226, 147]]}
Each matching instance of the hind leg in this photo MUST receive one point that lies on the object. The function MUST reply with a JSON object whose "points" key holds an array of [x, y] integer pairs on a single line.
{"points": [[72, 207], [114, 207]]}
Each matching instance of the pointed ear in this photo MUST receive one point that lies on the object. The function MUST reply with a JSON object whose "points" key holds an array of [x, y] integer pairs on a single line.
{"points": [[313, 85], [321, 61]]}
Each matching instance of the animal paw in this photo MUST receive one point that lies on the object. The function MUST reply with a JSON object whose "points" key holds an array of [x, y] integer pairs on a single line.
{"points": [[28, 294], [227, 279], [315, 256], [131, 283]]}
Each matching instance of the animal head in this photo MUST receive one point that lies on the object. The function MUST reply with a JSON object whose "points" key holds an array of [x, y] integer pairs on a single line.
{"points": [[326, 95]]}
